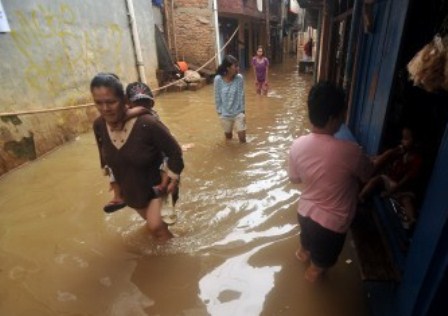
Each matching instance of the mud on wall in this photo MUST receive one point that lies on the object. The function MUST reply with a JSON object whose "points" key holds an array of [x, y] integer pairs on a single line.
{"points": [[25, 138], [47, 60]]}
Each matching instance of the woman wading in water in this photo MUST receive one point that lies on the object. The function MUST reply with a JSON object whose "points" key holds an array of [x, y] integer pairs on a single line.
{"points": [[133, 149]]}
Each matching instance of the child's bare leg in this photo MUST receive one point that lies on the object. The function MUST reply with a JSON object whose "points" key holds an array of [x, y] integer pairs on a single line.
{"points": [[265, 89], [370, 186], [408, 204], [117, 192]]}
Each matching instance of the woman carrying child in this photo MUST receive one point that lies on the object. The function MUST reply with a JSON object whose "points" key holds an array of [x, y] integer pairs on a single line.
{"points": [[140, 101], [134, 149]]}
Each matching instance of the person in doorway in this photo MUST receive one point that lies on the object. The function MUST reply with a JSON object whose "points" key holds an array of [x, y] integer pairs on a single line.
{"points": [[230, 99], [308, 49], [140, 101], [260, 64], [329, 170], [400, 173], [134, 149]]}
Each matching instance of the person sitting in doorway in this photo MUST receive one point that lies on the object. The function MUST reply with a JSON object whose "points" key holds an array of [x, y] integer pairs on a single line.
{"points": [[399, 176]]}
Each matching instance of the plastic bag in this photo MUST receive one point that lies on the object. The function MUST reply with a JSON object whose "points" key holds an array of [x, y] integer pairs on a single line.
{"points": [[429, 67]]}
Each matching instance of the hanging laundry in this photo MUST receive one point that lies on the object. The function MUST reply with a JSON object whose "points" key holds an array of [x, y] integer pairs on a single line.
{"points": [[158, 3], [260, 5], [294, 7]]}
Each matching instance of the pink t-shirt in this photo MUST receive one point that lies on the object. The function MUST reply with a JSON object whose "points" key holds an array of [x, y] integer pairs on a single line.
{"points": [[330, 170]]}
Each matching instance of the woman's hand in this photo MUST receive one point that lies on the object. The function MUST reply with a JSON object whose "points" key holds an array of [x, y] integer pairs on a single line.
{"points": [[172, 186]]}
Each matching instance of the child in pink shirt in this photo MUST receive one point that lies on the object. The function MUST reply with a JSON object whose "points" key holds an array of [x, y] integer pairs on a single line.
{"points": [[330, 171]]}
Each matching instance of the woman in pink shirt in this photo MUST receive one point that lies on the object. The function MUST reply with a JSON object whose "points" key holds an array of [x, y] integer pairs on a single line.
{"points": [[329, 171]]}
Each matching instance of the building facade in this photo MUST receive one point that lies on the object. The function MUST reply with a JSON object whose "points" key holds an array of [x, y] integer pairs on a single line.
{"points": [[365, 47]]}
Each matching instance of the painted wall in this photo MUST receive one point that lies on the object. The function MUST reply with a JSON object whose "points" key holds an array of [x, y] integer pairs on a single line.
{"points": [[47, 60]]}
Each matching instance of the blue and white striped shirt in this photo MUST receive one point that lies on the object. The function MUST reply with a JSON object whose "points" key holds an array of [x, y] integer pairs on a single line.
{"points": [[229, 96]]}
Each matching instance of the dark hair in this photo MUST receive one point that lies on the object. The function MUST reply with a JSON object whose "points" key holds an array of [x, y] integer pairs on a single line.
{"points": [[228, 61], [140, 94], [325, 101], [108, 80]]}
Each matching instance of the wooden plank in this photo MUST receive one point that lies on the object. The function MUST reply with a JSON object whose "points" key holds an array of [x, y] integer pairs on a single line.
{"points": [[374, 258]]}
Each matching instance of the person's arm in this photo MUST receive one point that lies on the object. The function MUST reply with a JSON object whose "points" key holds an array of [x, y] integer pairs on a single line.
{"points": [[241, 95], [381, 160], [217, 90], [293, 173], [411, 174], [255, 70], [266, 80], [99, 140], [136, 111]]}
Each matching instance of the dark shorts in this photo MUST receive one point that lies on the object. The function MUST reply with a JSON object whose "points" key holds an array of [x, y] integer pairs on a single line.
{"points": [[323, 244]]}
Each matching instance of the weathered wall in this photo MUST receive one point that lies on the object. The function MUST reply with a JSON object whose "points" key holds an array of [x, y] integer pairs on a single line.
{"points": [[24, 138], [194, 36], [48, 59]]}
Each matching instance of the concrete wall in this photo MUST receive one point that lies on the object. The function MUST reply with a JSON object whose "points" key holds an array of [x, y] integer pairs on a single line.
{"points": [[47, 61], [192, 31]]}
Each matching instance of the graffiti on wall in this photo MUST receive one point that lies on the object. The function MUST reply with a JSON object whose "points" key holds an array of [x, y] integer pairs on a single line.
{"points": [[57, 45]]}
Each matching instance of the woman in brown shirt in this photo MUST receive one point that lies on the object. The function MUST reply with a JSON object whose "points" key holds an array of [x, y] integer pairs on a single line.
{"points": [[133, 150]]}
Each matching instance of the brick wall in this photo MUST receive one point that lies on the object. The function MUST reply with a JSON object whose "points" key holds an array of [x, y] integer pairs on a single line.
{"points": [[192, 32]]}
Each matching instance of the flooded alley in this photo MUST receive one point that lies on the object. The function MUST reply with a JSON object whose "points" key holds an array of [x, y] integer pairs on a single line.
{"points": [[236, 233]]}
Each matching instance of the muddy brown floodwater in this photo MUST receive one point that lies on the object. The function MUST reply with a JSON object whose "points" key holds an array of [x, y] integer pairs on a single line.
{"points": [[233, 254]]}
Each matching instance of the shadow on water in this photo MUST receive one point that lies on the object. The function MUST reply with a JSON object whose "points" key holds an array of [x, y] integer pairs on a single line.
{"points": [[236, 232]]}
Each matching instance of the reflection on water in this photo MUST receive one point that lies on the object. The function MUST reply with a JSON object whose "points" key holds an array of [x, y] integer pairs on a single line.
{"points": [[236, 287], [235, 236]]}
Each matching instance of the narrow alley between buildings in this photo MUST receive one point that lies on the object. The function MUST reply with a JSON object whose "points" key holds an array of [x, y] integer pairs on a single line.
{"points": [[235, 236]]}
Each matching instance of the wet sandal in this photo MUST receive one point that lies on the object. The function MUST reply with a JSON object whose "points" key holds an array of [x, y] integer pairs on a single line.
{"points": [[169, 216], [113, 206]]}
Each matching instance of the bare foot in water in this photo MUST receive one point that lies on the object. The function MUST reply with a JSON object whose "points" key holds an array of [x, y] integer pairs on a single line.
{"points": [[314, 274], [162, 236]]}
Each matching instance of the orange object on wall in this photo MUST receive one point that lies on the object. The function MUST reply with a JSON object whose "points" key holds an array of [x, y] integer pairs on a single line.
{"points": [[183, 66]]}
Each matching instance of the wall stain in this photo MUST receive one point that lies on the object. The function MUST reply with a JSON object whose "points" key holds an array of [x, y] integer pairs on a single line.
{"points": [[14, 119], [72, 49], [24, 148]]}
